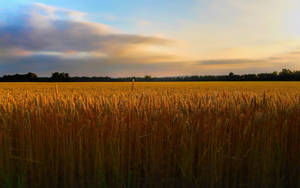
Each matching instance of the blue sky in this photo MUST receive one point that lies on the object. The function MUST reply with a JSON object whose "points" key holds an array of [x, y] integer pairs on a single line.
{"points": [[157, 37], [117, 11]]}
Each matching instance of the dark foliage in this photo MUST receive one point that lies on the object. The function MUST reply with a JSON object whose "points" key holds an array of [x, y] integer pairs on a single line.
{"points": [[60, 77], [284, 75], [29, 77]]}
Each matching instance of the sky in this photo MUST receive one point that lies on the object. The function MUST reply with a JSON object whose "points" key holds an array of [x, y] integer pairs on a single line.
{"points": [[149, 37]]}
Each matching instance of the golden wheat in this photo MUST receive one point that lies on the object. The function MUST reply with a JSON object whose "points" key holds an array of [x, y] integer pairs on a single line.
{"points": [[210, 134]]}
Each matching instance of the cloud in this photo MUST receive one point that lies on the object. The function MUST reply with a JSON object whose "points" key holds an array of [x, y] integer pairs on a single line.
{"points": [[44, 64], [57, 12], [44, 39], [288, 60], [227, 61], [295, 53], [50, 29]]}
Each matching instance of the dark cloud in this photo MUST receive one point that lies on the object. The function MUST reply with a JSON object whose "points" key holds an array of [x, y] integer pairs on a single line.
{"points": [[227, 61], [295, 53], [45, 28], [45, 39], [45, 64], [40, 64], [63, 35]]}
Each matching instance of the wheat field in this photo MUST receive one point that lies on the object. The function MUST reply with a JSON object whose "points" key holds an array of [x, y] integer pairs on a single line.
{"points": [[196, 134]]}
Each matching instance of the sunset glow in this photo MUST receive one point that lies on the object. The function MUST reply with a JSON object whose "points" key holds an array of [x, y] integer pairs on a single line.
{"points": [[160, 38]]}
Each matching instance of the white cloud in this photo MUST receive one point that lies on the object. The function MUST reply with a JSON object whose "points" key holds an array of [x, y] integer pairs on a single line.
{"points": [[50, 33], [237, 36], [58, 13]]}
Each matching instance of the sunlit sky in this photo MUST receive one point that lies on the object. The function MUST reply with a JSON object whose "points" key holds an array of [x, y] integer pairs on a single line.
{"points": [[156, 37]]}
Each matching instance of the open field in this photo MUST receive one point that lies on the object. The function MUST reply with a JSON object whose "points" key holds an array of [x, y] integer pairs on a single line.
{"points": [[197, 134]]}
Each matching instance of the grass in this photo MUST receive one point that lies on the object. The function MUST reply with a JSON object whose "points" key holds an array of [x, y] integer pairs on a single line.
{"points": [[198, 134]]}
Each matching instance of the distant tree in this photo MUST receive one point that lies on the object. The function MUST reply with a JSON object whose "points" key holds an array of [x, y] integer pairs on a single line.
{"points": [[249, 77], [31, 76], [21, 77], [286, 74], [231, 76], [297, 75], [148, 77], [56, 76]]}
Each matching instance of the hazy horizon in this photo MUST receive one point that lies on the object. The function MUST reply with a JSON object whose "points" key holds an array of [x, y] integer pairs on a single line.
{"points": [[158, 38]]}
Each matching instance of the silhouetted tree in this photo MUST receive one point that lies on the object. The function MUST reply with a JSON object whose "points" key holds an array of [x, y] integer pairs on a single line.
{"points": [[147, 77], [32, 76], [56, 76], [233, 77], [20, 77], [286, 74]]}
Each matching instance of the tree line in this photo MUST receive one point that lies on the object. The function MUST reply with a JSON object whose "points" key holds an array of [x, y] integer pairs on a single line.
{"points": [[284, 75]]}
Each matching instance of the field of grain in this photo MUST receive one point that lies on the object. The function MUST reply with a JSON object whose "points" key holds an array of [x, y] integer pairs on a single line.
{"points": [[206, 134]]}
